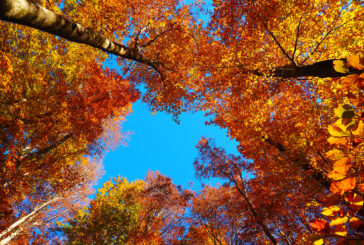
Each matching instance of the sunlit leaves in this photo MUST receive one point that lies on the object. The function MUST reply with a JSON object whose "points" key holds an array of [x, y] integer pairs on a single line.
{"points": [[330, 211], [320, 225], [340, 168], [340, 66]]}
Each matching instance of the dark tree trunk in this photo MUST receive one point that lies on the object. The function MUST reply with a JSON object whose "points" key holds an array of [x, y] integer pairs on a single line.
{"points": [[319, 69]]}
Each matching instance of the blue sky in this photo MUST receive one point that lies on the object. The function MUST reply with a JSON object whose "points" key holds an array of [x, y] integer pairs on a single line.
{"points": [[158, 143]]}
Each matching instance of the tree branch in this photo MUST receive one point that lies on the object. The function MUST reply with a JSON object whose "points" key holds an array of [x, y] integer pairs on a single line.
{"points": [[28, 13], [280, 46]]}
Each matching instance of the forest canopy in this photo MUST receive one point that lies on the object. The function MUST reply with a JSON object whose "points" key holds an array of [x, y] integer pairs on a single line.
{"points": [[284, 78]]}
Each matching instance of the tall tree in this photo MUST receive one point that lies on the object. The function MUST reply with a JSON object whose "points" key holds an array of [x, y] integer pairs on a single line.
{"points": [[38, 213], [54, 112], [162, 37], [139, 212]]}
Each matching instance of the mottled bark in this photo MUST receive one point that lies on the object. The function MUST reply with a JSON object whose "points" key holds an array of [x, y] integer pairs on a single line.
{"points": [[29, 13]]}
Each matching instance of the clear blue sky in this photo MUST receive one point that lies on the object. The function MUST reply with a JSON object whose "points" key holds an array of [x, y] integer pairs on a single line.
{"points": [[158, 143]]}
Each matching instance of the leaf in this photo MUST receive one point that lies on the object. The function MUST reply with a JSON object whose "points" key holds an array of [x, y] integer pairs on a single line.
{"points": [[356, 201], [318, 242], [336, 131], [355, 222], [334, 154], [344, 111], [360, 81], [330, 211], [340, 187], [316, 239], [340, 168], [358, 129], [349, 81], [356, 61], [320, 225], [345, 124], [338, 140], [340, 66], [339, 221], [356, 100], [341, 230]]}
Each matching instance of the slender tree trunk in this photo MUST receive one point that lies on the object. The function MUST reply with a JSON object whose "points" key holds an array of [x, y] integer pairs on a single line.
{"points": [[18, 226], [255, 215]]}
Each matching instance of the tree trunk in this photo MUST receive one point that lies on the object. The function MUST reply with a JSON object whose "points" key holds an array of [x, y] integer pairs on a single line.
{"points": [[13, 230], [319, 69], [28, 13]]}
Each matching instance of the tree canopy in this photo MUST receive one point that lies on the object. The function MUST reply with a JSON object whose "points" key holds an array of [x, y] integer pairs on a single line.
{"points": [[285, 78]]}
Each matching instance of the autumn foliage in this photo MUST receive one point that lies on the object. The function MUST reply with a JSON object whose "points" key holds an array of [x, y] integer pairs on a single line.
{"points": [[285, 78]]}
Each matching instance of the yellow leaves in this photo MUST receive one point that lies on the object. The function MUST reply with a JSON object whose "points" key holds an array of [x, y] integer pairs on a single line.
{"points": [[340, 168], [335, 154], [358, 129], [338, 140], [344, 111], [318, 242], [340, 66], [337, 131], [340, 187], [315, 239], [339, 221], [6, 71], [349, 81], [353, 81], [356, 61], [341, 230], [330, 211], [355, 201]]}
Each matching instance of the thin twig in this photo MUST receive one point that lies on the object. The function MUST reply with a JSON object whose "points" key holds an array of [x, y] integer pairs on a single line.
{"points": [[326, 35], [280, 46]]}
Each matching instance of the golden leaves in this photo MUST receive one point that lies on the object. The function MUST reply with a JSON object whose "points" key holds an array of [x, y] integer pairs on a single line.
{"points": [[344, 111], [330, 211], [335, 154], [339, 221], [340, 66], [340, 168]]}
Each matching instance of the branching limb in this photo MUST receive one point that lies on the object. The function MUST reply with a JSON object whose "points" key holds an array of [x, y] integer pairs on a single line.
{"points": [[280, 46]]}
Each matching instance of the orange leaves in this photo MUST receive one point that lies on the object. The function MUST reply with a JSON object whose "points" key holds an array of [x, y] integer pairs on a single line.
{"points": [[340, 187], [356, 61], [353, 80], [320, 225], [340, 168]]}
